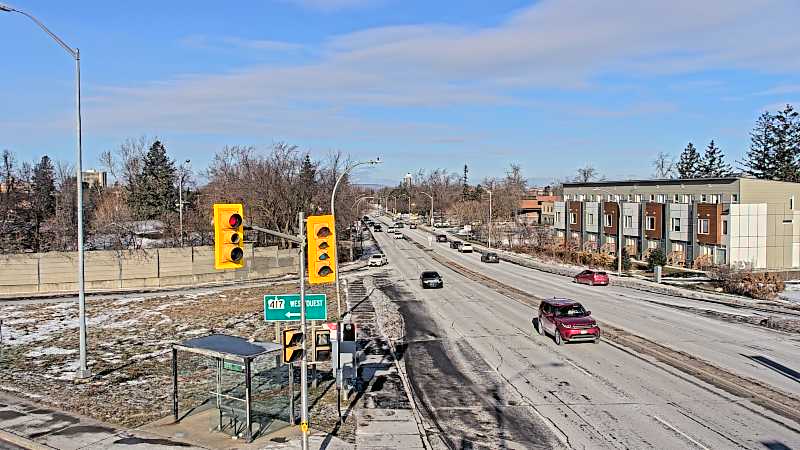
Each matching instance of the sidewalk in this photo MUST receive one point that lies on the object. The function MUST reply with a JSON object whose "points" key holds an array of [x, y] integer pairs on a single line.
{"points": [[31, 426]]}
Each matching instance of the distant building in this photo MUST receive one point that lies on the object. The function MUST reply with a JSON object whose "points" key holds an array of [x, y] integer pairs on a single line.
{"points": [[93, 177], [536, 207], [736, 221], [407, 179]]}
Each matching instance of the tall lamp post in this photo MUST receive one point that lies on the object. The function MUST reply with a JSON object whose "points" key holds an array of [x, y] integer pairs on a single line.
{"points": [[620, 224], [347, 170], [490, 217], [180, 196], [75, 53], [431, 197]]}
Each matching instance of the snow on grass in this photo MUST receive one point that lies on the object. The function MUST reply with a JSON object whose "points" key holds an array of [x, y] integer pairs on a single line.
{"points": [[48, 351]]}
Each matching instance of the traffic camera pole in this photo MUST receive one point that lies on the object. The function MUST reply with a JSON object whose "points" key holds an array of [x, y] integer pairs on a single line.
{"points": [[304, 329]]}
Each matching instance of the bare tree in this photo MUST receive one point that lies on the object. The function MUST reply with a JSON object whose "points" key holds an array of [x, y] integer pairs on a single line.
{"points": [[587, 173], [664, 166]]}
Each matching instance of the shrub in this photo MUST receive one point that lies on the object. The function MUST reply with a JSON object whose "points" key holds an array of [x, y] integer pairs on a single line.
{"points": [[703, 262], [758, 285], [655, 258], [626, 261]]}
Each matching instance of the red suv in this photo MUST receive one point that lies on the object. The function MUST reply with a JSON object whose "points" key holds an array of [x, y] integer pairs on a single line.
{"points": [[566, 320], [592, 278]]}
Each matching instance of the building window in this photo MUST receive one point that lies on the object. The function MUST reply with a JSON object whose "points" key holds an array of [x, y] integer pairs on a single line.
{"points": [[734, 198], [566, 197], [638, 198], [630, 197], [652, 244], [660, 198], [592, 238], [702, 226], [590, 221], [628, 221], [725, 227], [581, 197], [714, 198], [791, 203], [678, 247], [611, 241], [650, 223], [676, 224], [676, 198], [573, 218], [703, 198], [652, 197], [558, 216], [607, 219], [706, 250]]}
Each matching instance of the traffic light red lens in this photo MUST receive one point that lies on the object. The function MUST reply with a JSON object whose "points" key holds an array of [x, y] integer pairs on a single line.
{"points": [[235, 220], [323, 232], [237, 254]]}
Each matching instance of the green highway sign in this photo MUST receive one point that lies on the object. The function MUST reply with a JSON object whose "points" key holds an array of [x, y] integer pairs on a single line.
{"points": [[278, 308], [236, 367]]}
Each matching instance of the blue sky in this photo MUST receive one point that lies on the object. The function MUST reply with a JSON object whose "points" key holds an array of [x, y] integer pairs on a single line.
{"points": [[550, 85]]}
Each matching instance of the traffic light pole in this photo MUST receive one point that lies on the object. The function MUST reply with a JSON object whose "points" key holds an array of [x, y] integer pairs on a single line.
{"points": [[304, 329], [301, 241]]}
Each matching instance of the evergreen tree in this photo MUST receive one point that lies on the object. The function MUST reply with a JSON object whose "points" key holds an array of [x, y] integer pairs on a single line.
{"points": [[786, 149], [689, 164], [153, 189], [759, 159], [43, 197], [308, 179], [465, 184], [713, 164]]}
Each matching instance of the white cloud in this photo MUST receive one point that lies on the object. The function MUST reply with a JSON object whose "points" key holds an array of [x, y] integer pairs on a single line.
{"points": [[565, 44]]}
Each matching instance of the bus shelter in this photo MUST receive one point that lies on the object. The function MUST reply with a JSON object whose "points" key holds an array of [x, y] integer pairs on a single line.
{"points": [[230, 354]]}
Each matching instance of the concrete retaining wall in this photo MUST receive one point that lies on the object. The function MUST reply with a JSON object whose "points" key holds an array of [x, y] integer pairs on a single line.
{"points": [[56, 272]]}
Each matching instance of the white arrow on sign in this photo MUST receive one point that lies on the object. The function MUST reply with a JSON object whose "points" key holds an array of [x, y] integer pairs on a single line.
{"points": [[291, 314]]}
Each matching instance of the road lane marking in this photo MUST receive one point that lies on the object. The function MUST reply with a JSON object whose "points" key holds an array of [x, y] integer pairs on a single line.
{"points": [[686, 436], [578, 367]]}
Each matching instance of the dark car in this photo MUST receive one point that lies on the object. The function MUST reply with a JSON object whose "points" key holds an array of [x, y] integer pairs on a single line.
{"points": [[490, 257], [441, 238], [431, 279], [399, 225], [377, 228], [455, 244], [592, 278], [567, 321]]}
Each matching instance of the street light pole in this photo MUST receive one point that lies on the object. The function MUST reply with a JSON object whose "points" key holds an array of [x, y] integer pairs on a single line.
{"points": [[431, 197], [83, 371], [490, 217], [333, 213], [180, 198]]}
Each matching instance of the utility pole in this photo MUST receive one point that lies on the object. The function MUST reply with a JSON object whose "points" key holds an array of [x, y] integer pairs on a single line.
{"points": [[180, 198]]}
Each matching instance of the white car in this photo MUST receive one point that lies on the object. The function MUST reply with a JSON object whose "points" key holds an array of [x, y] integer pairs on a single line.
{"points": [[377, 260], [398, 235], [466, 247]]}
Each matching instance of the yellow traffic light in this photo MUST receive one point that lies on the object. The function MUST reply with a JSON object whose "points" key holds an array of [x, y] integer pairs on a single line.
{"points": [[292, 346], [322, 345], [321, 249], [228, 236]]}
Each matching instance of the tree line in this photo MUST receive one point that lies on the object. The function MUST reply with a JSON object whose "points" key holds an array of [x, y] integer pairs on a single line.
{"points": [[140, 208], [773, 154]]}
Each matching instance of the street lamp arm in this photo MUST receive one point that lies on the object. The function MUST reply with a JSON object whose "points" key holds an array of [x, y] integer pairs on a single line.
{"points": [[74, 52]]}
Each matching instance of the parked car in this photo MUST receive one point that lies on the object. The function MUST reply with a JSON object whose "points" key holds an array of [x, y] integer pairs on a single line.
{"points": [[413, 226], [567, 321], [437, 225], [398, 235], [377, 260], [399, 225], [441, 238], [490, 257], [466, 247], [592, 278], [455, 244], [377, 228], [431, 279], [390, 226]]}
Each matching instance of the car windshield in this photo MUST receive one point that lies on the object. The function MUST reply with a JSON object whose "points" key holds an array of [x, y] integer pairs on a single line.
{"points": [[570, 311], [427, 275], [377, 256]]}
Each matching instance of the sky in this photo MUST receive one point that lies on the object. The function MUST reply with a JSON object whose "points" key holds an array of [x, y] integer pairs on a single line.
{"points": [[551, 85]]}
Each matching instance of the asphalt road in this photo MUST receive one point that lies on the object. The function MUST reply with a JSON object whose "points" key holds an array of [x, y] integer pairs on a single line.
{"points": [[766, 355], [487, 380]]}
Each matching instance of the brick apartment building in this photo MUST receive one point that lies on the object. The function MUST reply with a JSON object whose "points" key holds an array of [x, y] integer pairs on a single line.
{"points": [[737, 221]]}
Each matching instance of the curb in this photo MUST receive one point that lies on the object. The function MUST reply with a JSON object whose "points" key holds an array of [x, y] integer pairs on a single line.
{"points": [[23, 442]]}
